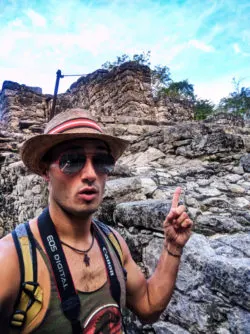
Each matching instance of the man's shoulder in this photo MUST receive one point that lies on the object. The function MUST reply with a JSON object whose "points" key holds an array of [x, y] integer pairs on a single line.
{"points": [[7, 246], [10, 275], [8, 256]]}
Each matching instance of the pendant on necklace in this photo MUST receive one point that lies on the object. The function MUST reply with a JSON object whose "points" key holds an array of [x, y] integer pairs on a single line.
{"points": [[86, 259]]}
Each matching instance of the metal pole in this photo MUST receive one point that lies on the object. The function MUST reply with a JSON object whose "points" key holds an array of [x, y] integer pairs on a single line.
{"points": [[58, 77]]}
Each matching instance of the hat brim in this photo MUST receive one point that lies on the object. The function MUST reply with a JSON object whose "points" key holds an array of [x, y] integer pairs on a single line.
{"points": [[36, 147]]}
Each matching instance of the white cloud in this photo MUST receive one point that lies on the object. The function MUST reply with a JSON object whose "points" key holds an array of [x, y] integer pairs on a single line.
{"points": [[17, 23], [92, 38], [165, 53], [9, 39], [9, 46], [236, 48], [201, 45], [60, 20], [246, 36], [214, 90], [37, 19]]}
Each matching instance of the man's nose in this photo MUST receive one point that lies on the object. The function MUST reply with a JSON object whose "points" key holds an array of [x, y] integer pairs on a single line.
{"points": [[88, 171]]}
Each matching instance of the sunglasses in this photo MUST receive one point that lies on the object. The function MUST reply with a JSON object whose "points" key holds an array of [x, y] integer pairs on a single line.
{"points": [[71, 162]]}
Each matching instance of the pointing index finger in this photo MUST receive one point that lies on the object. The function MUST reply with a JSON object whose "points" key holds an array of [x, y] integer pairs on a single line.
{"points": [[176, 197]]}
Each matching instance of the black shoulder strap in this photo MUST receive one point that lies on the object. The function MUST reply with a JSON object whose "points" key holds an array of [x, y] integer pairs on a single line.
{"points": [[114, 282], [70, 301]]}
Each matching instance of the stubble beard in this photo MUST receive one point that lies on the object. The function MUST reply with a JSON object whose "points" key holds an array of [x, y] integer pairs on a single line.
{"points": [[81, 213], [84, 211]]}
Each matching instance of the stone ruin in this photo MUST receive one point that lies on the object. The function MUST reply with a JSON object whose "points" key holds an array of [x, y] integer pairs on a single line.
{"points": [[209, 159]]}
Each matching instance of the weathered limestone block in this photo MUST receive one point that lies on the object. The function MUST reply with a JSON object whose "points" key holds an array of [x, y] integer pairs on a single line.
{"points": [[211, 224], [245, 161], [226, 119], [124, 190], [162, 327], [14, 86], [150, 155], [208, 278], [211, 144], [148, 214]]}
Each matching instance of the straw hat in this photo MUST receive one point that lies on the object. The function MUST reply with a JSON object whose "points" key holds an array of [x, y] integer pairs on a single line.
{"points": [[68, 125]]}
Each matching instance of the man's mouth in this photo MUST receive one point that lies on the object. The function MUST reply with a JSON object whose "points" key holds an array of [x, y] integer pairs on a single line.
{"points": [[88, 193]]}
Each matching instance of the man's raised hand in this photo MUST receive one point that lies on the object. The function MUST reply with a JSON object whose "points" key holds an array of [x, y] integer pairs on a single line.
{"points": [[177, 225]]}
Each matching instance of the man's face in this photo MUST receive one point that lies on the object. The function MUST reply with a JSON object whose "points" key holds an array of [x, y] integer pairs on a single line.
{"points": [[76, 184]]}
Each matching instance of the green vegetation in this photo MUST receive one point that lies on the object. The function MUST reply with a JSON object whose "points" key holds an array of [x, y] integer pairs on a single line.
{"points": [[160, 75], [142, 59], [203, 109], [238, 102], [182, 90]]}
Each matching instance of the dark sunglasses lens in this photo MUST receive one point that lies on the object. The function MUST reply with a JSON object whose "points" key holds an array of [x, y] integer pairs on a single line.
{"points": [[103, 163], [71, 163]]}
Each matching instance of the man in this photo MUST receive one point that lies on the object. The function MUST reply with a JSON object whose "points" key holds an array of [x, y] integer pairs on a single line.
{"points": [[75, 157]]}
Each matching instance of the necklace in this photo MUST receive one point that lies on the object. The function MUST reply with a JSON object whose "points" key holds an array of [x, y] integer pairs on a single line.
{"points": [[86, 258]]}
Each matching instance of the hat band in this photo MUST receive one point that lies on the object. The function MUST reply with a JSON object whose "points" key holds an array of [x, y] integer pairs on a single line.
{"points": [[75, 123]]}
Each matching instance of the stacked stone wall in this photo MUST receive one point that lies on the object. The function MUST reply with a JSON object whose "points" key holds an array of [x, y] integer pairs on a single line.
{"points": [[22, 109], [123, 102], [209, 160]]}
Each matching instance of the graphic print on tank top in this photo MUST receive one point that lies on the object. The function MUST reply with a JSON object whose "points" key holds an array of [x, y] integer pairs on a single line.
{"points": [[104, 320]]}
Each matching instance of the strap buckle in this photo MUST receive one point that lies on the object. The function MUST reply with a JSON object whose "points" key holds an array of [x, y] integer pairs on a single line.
{"points": [[18, 318]]}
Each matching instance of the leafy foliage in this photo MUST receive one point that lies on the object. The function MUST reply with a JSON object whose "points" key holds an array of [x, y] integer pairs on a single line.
{"points": [[142, 59], [238, 101], [160, 78], [180, 90], [183, 90], [203, 109], [160, 75]]}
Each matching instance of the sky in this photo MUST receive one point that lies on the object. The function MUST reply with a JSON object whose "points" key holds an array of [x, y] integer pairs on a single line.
{"points": [[206, 42]]}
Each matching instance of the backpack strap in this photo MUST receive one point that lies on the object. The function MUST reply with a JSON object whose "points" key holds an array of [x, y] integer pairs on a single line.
{"points": [[117, 258], [115, 287], [29, 300], [112, 238], [121, 271]]}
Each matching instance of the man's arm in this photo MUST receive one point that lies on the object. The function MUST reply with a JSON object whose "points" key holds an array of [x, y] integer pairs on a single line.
{"points": [[148, 298], [9, 280]]}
